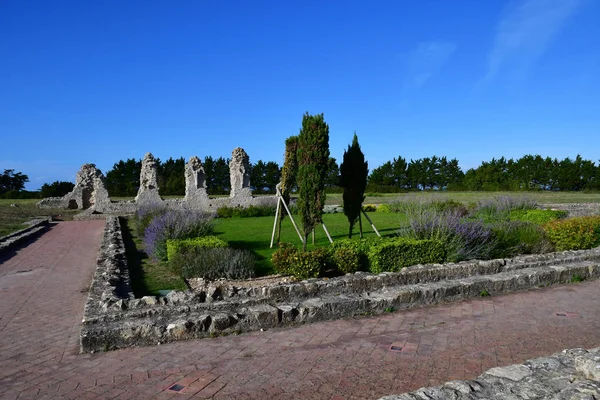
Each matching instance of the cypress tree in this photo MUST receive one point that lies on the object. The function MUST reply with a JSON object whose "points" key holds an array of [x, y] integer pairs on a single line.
{"points": [[354, 172], [313, 156], [288, 175]]}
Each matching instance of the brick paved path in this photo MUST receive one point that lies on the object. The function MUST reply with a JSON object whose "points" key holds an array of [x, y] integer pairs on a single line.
{"points": [[42, 300]]}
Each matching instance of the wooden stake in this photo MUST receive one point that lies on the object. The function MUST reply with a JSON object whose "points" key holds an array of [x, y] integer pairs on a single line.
{"points": [[276, 219], [291, 217], [327, 233], [371, 222], [360, 225], [313, 236]]}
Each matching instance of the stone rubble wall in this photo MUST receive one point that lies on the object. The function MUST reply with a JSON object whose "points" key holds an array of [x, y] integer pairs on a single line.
{"points": [[570, 374], [115, 319]]}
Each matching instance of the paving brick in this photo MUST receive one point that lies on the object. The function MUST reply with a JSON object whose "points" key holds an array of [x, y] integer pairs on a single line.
{"points": [[41, 314]]}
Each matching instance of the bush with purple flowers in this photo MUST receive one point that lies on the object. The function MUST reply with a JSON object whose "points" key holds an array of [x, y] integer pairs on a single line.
{"points": [[174, 224], [462, 239]]}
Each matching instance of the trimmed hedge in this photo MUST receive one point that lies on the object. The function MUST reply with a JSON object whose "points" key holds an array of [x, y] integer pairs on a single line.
{"points": [[539, 217], [176, 246], [574, 233], [346, 259], [394, 254], [345, 248]]}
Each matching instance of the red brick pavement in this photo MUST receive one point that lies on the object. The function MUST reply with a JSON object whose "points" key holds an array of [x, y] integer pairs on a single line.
{"points": [[42, 302]]}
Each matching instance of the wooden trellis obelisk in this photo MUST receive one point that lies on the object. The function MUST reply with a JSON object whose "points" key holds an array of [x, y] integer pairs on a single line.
{"points": [[280, 209]]}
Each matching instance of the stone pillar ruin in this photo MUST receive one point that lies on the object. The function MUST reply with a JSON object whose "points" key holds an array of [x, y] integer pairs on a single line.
{"points": [[239, 173], [148, 191], [89, 192], [195, 186]]}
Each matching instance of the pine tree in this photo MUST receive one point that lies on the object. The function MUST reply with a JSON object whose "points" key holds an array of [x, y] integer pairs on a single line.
{"points": [[313, 157], [354, 171]]}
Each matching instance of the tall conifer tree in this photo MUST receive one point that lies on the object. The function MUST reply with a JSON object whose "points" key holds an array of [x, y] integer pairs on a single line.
{"points": [[313, 156], [354, 171]]}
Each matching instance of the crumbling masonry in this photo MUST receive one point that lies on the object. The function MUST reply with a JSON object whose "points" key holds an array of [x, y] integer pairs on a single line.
{"points": [[90, 193]]}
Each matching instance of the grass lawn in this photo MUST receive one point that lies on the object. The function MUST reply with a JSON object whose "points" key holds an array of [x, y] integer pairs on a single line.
{"points": [[464, 197], [468, 197], [255, 233], [13, 218]]}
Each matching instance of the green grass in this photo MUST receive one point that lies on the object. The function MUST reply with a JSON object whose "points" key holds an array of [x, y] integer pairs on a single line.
{"points": [[254, 234], [147, 277], [464, 197], [14, 218], [468, 197]]}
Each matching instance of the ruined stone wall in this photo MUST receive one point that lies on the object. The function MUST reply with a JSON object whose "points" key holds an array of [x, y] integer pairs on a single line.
{"points": [[90, 193], [570, 374], [115, 319]]}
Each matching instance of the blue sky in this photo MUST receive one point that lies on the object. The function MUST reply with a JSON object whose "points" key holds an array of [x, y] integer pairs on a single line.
{"points": [[100, 81]]}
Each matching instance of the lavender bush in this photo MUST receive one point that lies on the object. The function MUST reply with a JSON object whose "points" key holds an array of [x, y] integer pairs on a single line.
{"points": [[463, 240], [214, 263], [145, 214], [520, 237], [500, 207], [412, 205], [174, 224]]}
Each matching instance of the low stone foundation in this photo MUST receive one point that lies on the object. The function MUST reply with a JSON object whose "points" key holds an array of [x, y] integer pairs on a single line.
{"points": [[114, 318], [36, 227], [570, 374]]}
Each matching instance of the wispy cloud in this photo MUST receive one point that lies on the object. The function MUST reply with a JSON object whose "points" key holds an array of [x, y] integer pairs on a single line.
{"points": [[525, 31], [426, 60]]}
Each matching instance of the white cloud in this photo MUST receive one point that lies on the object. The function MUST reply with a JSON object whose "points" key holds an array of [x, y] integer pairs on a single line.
{"points": [[426, 60], [525, 31]]}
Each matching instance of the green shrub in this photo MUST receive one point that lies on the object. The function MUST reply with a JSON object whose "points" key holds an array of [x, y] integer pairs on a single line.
{"points": [[360, 247], [288, 260], [174, 224], [574, 233], [384, 208], [245, 212], [213, 263], [310, 264], [175, 246], [536, 216], [369, 207], [346, 259], [395, 254], [284, 257], [517, 237]]}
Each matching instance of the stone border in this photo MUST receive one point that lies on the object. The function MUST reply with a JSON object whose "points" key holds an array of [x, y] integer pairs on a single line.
{"points": [[37, 226], [115, 319], [570, 374]]}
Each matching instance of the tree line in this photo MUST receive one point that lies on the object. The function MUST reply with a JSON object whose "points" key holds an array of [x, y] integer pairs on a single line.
{"points": [[124, 178], [530, 172]]}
